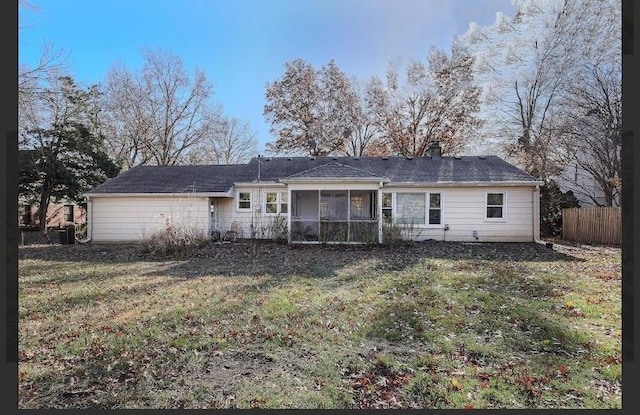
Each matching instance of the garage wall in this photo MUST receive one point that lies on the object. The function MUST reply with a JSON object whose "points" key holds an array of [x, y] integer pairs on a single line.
{"points": [[137, 218]]}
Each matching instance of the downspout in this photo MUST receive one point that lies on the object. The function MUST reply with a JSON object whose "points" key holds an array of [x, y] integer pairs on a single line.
{"points": [[536, 214], [379, 208], [89, 223]]}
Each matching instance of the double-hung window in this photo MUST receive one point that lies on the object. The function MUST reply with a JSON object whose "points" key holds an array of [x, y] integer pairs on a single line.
{"points": [[387, 207], [271, 203], [435, 209], [495, 207], [68, 213], [244, 200], [276, 202]]}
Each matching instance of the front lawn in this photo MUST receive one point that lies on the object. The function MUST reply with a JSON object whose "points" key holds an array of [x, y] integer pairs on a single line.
{"points": [[266, 325]]}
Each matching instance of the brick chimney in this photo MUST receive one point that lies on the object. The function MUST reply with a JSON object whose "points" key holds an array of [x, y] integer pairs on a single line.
{"points": [[434, 150]]}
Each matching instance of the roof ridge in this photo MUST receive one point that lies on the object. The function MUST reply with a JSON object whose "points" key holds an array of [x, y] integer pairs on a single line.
{"points": [[324, 165]]}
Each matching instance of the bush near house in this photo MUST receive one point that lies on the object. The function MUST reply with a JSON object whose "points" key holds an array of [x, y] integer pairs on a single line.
{"points": [[552, 201]]}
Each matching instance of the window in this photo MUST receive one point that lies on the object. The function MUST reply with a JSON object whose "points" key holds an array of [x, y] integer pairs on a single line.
{"points": [[410, 208], [387, 206], [244, 200], [26, 215], [68, 213], [271, 203], [435, 209], [276, 202], [495, 206]]}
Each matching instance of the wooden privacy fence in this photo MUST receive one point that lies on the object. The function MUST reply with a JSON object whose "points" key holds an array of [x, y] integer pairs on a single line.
{"points": [[597, 225]]}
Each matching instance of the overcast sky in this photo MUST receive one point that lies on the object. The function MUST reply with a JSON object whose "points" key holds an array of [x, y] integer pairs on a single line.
{"points": [[243, 44]]}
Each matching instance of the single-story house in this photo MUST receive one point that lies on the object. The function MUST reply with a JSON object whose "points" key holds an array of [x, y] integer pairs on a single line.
{"points": [[323, 199]]}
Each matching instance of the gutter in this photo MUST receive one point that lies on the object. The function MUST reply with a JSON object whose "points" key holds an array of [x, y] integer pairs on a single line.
{"points": [[209, 194], [465, 184]]}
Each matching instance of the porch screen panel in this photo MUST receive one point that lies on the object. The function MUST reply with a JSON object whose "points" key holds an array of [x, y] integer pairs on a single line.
{"points": [[410, 208], [362, 205], [333, 205], [304, 215]]}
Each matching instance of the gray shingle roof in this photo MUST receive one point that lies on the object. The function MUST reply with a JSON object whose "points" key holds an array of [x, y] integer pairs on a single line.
{"points": [[220, 178], [332, 170], [173, 179]]}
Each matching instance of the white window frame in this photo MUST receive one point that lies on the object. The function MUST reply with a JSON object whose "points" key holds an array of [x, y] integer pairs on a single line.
{"points": [[392, 208], [267, 203], [487, 205], [278, 203], [241, 209], [428, 207], [427, 200]]}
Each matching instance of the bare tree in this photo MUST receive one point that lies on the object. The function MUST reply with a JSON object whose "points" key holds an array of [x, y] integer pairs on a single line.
{"points": [[364, 138], [157, 116], [33, 81], [592, 135], [128, 123], [429, 104], [526, 63], [310, 111], [231, 141]]}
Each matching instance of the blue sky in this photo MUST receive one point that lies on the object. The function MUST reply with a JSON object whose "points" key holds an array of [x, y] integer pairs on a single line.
{"points": [[243, 44]]}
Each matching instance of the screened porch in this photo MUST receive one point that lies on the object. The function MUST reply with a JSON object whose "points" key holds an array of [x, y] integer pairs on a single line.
{"points": [[334, 216]]}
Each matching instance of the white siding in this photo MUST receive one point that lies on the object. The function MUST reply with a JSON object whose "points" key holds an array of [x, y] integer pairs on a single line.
{"points": [[253, 222], [463, 211], [136, 218]]}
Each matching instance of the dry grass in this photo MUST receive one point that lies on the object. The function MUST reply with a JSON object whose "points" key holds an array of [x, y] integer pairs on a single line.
{"points": [[248, 325]]}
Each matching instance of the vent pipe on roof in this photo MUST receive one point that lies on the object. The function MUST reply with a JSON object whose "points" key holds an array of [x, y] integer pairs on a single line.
{"points": [[258, 168]]}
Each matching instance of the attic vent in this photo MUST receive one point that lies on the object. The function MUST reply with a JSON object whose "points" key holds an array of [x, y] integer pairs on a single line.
{"points": [[457, 157], [482, 157], [267, 159], [356, 158], [312, 158], [334, 158], [289, 158], [409, 158], [385, 158]]}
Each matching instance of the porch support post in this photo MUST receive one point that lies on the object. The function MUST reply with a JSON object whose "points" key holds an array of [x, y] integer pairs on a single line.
{"points": [[379, 208], [536, 213]]}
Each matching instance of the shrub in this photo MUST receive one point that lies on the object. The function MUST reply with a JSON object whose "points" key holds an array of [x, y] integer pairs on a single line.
{"points": [[277, 228], [173, 240], [552, 201]]}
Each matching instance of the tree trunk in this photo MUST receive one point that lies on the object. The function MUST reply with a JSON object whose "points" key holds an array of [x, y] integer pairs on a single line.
{"points": [[43, 208]]}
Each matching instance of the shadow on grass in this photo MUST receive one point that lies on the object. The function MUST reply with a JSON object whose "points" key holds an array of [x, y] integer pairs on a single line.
{"points": [[505, 302]]}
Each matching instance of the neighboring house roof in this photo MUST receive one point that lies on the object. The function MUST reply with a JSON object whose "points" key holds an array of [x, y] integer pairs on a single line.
{"points": [[220, 178]]}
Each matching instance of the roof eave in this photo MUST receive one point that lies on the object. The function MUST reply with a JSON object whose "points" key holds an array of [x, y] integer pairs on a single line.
{"points": [[228, 193], [294, 180], [506, 183]]}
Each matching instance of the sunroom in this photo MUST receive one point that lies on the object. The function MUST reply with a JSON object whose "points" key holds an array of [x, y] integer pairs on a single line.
{"points": [[335, 204], [332, 215]]}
